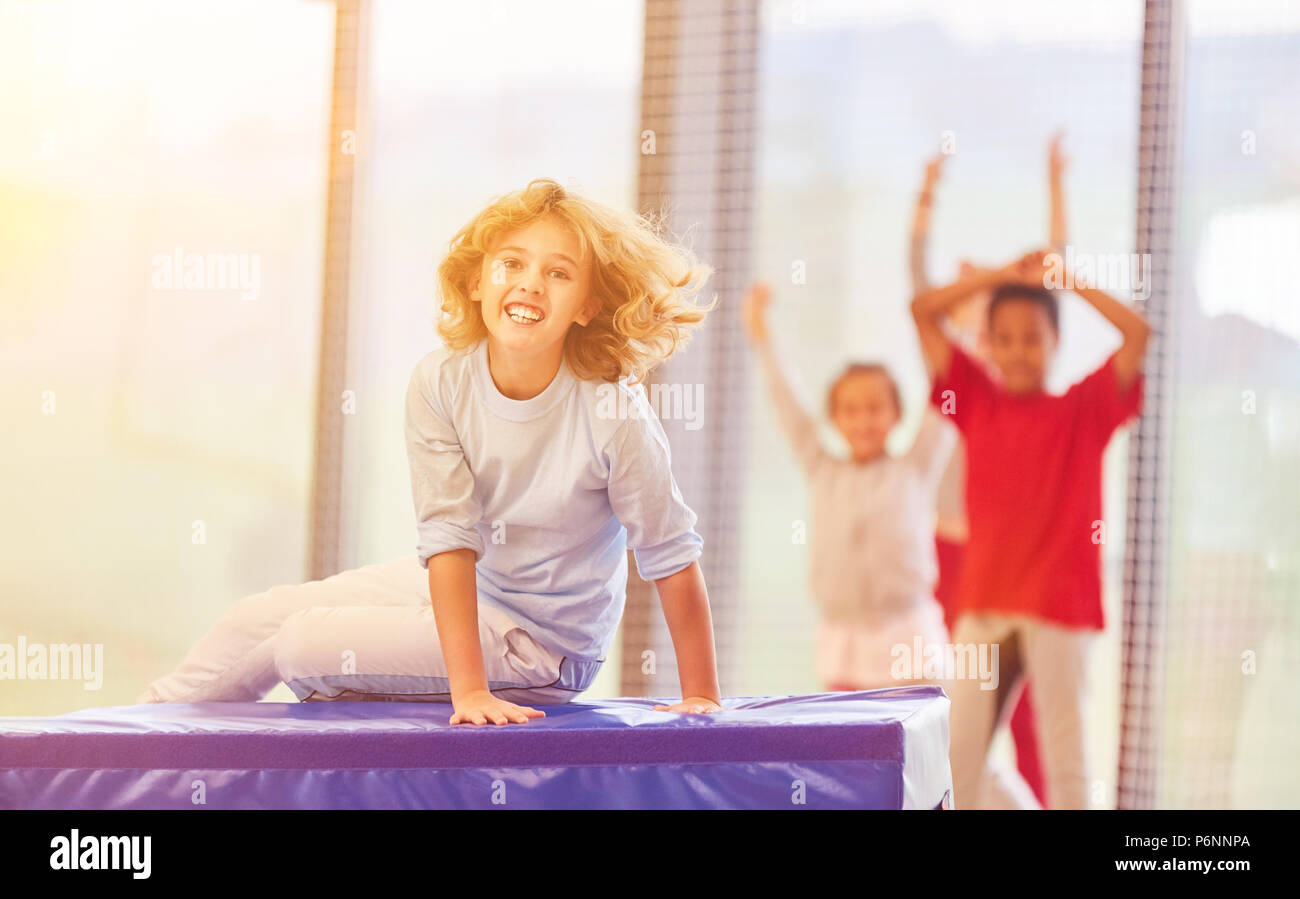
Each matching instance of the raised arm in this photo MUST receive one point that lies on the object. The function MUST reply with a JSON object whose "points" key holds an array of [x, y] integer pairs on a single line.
{"points": [[1132, 327], [796, 421], [921, 224], [929, 307], [1056, 190]]}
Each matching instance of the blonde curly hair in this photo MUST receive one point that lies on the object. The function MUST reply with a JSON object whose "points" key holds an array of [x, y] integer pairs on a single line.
{"points": [[644, 281]]}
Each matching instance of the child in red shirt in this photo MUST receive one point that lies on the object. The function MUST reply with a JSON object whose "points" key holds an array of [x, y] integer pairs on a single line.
{"points": [[1031, 579], [950, 532]]}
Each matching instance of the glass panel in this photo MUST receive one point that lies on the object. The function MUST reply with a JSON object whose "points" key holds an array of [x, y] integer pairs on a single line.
{"points": [[1232, 728], [162, 179]]}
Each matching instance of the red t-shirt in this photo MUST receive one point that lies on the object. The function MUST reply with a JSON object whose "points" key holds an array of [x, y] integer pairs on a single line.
{"points": [[1033, 490]]}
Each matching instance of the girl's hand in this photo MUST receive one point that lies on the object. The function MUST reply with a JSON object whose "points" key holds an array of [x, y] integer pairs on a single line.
{"points": [[755, 311], [480, 706], [1056, 159], [1030, 269], [691, 705], [933, 169], [969, 269]]}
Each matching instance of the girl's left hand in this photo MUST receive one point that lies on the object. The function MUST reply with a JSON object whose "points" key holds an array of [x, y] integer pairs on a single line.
{"points": [[1056, 158], [933, 169], [754, 312], [1030, 269], [691, 705]]}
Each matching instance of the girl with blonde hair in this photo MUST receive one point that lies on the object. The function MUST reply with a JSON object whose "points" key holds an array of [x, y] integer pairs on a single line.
{"points": [[527, 492]]}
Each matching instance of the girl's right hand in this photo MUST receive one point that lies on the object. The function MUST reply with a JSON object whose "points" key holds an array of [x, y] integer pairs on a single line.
{"points": [[1030, 269], [755, 311], [480, 706], [933, 169], [1056, 158]]}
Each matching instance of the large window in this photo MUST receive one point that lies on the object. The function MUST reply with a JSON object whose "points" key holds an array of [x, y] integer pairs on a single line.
{"points": [[1231, 729], [160, 242]]}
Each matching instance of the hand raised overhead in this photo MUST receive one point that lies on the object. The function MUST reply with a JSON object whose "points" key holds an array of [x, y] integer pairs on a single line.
{"points": [[754, 313]]}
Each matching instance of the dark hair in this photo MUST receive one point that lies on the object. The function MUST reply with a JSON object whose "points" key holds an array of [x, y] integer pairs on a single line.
{"points": [[864, 368], [1039, 296]]}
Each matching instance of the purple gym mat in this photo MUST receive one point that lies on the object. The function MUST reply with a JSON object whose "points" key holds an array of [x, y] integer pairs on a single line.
{"points": [[871, 749]]}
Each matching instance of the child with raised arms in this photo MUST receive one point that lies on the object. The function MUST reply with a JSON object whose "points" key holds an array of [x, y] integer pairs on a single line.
{"points": [[871, 533], [968, 320], [1031, 577]]}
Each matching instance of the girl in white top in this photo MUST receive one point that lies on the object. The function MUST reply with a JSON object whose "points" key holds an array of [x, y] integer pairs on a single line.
{"points": [[871, 532], [536, 462], [871, 538]]}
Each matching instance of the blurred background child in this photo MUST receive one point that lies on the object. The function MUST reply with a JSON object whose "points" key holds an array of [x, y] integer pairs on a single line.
{"points": [[872, 554], [969, 327], [1031, 576]]}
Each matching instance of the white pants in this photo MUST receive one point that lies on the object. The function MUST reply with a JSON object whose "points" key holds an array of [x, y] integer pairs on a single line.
{"points": [[863, 656], [1056, 660], [364, 634]]}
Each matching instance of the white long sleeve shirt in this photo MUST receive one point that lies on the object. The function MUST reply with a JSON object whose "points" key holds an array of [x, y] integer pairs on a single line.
{"points": [[871, 534], [549, 492]]}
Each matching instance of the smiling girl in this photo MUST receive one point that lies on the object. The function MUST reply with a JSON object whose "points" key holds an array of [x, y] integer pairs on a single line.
{"points": [[872, 561], [527, 492]]}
